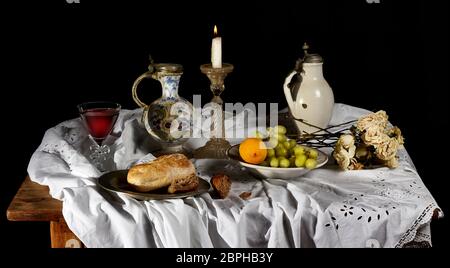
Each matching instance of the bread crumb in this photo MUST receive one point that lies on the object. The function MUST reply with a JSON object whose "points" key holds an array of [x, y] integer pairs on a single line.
{"points": [[245, 195]]}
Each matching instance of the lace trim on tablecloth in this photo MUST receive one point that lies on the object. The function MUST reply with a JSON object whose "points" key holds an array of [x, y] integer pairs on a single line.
{"points": [[424, 218]]}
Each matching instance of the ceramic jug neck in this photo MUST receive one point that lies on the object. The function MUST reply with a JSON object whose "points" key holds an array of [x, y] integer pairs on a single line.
{"points": [[170, 85], [313, 70]]}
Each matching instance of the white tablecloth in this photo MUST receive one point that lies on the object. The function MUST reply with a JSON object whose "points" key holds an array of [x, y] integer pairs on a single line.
{"points": [[325, 208]]}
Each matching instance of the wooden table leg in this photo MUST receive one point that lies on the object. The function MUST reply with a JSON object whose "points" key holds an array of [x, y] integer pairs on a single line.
{"points": [[62, 237]]}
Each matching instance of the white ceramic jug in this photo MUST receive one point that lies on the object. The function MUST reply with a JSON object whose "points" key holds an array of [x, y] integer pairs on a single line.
{"points": [[308, 94]]}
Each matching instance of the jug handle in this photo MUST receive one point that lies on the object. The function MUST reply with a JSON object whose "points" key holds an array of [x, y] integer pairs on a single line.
{"points": [[148, 74], [287, 91]]}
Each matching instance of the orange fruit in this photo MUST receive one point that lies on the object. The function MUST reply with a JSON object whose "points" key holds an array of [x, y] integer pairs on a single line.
{"points": [[253, 151]]}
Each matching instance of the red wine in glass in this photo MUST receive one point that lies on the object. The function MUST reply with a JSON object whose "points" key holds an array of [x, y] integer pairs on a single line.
{"points": [[100, 122], [99, 119]]}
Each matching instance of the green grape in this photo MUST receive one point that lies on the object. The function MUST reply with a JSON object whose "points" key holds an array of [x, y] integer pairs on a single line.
{"points": [[292, 143], [270, 153], [280, 137], [310, 163], [281, 151], [265, 163], [287, 145], [260, 135], [273, 142], [313, 154], [274, 162], [299, 150], [284, 162], [300, 160], [292, 161], [280, 145], [280, 129]]}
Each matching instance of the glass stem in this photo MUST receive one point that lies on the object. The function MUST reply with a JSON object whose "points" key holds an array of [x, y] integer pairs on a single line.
{"points": [[99, 154]]}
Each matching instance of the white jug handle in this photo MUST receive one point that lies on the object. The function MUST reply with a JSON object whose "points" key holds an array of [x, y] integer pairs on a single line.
{"points": [[287, 91]]}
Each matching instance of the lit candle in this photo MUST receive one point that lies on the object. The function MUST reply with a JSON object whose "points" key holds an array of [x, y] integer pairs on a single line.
{"points": [[216, 50]]}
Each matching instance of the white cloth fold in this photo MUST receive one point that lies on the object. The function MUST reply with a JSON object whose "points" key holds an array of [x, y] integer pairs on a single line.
{"points": [[324, 208]]}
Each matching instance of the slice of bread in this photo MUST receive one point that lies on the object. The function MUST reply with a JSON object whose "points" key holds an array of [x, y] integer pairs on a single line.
{"points": [[221, 184]]}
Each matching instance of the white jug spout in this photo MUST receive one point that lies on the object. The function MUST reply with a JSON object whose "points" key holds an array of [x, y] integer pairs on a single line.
{"points": [[287, 91]]}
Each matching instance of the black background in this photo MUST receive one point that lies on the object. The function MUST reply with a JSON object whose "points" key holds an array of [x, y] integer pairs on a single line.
{"points": [[390, 56]]}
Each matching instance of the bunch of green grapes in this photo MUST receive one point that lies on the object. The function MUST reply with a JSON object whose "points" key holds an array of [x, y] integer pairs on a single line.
{"points": [[285, 153]]}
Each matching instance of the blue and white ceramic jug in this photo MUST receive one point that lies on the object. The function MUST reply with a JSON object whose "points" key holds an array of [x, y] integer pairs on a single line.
{"points": [[167, 119]]}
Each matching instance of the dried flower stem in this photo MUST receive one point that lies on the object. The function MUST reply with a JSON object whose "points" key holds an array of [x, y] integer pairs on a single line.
{"points": [[318, 139]]}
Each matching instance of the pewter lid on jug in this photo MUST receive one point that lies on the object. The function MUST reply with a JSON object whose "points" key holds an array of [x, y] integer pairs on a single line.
{"points": [[171, 68], [311, 58], [167, 68]]}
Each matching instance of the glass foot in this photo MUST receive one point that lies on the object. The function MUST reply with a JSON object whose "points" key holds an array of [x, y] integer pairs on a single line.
{"points": [[215, 148]]}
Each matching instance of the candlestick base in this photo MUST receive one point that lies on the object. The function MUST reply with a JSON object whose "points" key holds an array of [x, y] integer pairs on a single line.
{"points": [[217, 146]]}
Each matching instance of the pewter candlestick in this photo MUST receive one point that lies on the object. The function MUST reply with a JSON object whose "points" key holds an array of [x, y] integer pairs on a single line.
{"points": [[217, 145]]}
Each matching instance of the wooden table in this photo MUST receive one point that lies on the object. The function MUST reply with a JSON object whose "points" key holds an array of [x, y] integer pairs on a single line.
{"points": [[33, 203]]}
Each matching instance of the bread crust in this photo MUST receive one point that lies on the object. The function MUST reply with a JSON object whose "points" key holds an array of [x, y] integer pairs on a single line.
{"points": [[183, 185], [160, 173]]}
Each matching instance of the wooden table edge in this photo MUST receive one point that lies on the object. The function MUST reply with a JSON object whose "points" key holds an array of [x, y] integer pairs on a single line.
{"points": [[32, 202]]}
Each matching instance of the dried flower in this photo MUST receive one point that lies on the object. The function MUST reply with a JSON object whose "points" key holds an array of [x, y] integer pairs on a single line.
{"points": [[344, 151], [379, 118], [363, 153], [355, 165], [392, 163], [346, 141], [370, 142], [387, 150], [374, 136], [396, 133]]}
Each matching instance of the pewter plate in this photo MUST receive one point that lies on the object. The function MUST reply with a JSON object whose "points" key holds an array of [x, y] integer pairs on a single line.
{"points": [[116, 182]]}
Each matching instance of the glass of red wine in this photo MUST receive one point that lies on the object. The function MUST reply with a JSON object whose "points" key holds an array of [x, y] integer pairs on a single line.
{"points": [[99, 118]]}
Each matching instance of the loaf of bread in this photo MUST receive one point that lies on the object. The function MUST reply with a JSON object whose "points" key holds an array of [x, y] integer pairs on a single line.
{"points": [[174, 170]]}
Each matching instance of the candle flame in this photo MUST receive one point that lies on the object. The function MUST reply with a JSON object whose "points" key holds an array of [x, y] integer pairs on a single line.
{"points": [[215, 30]]}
